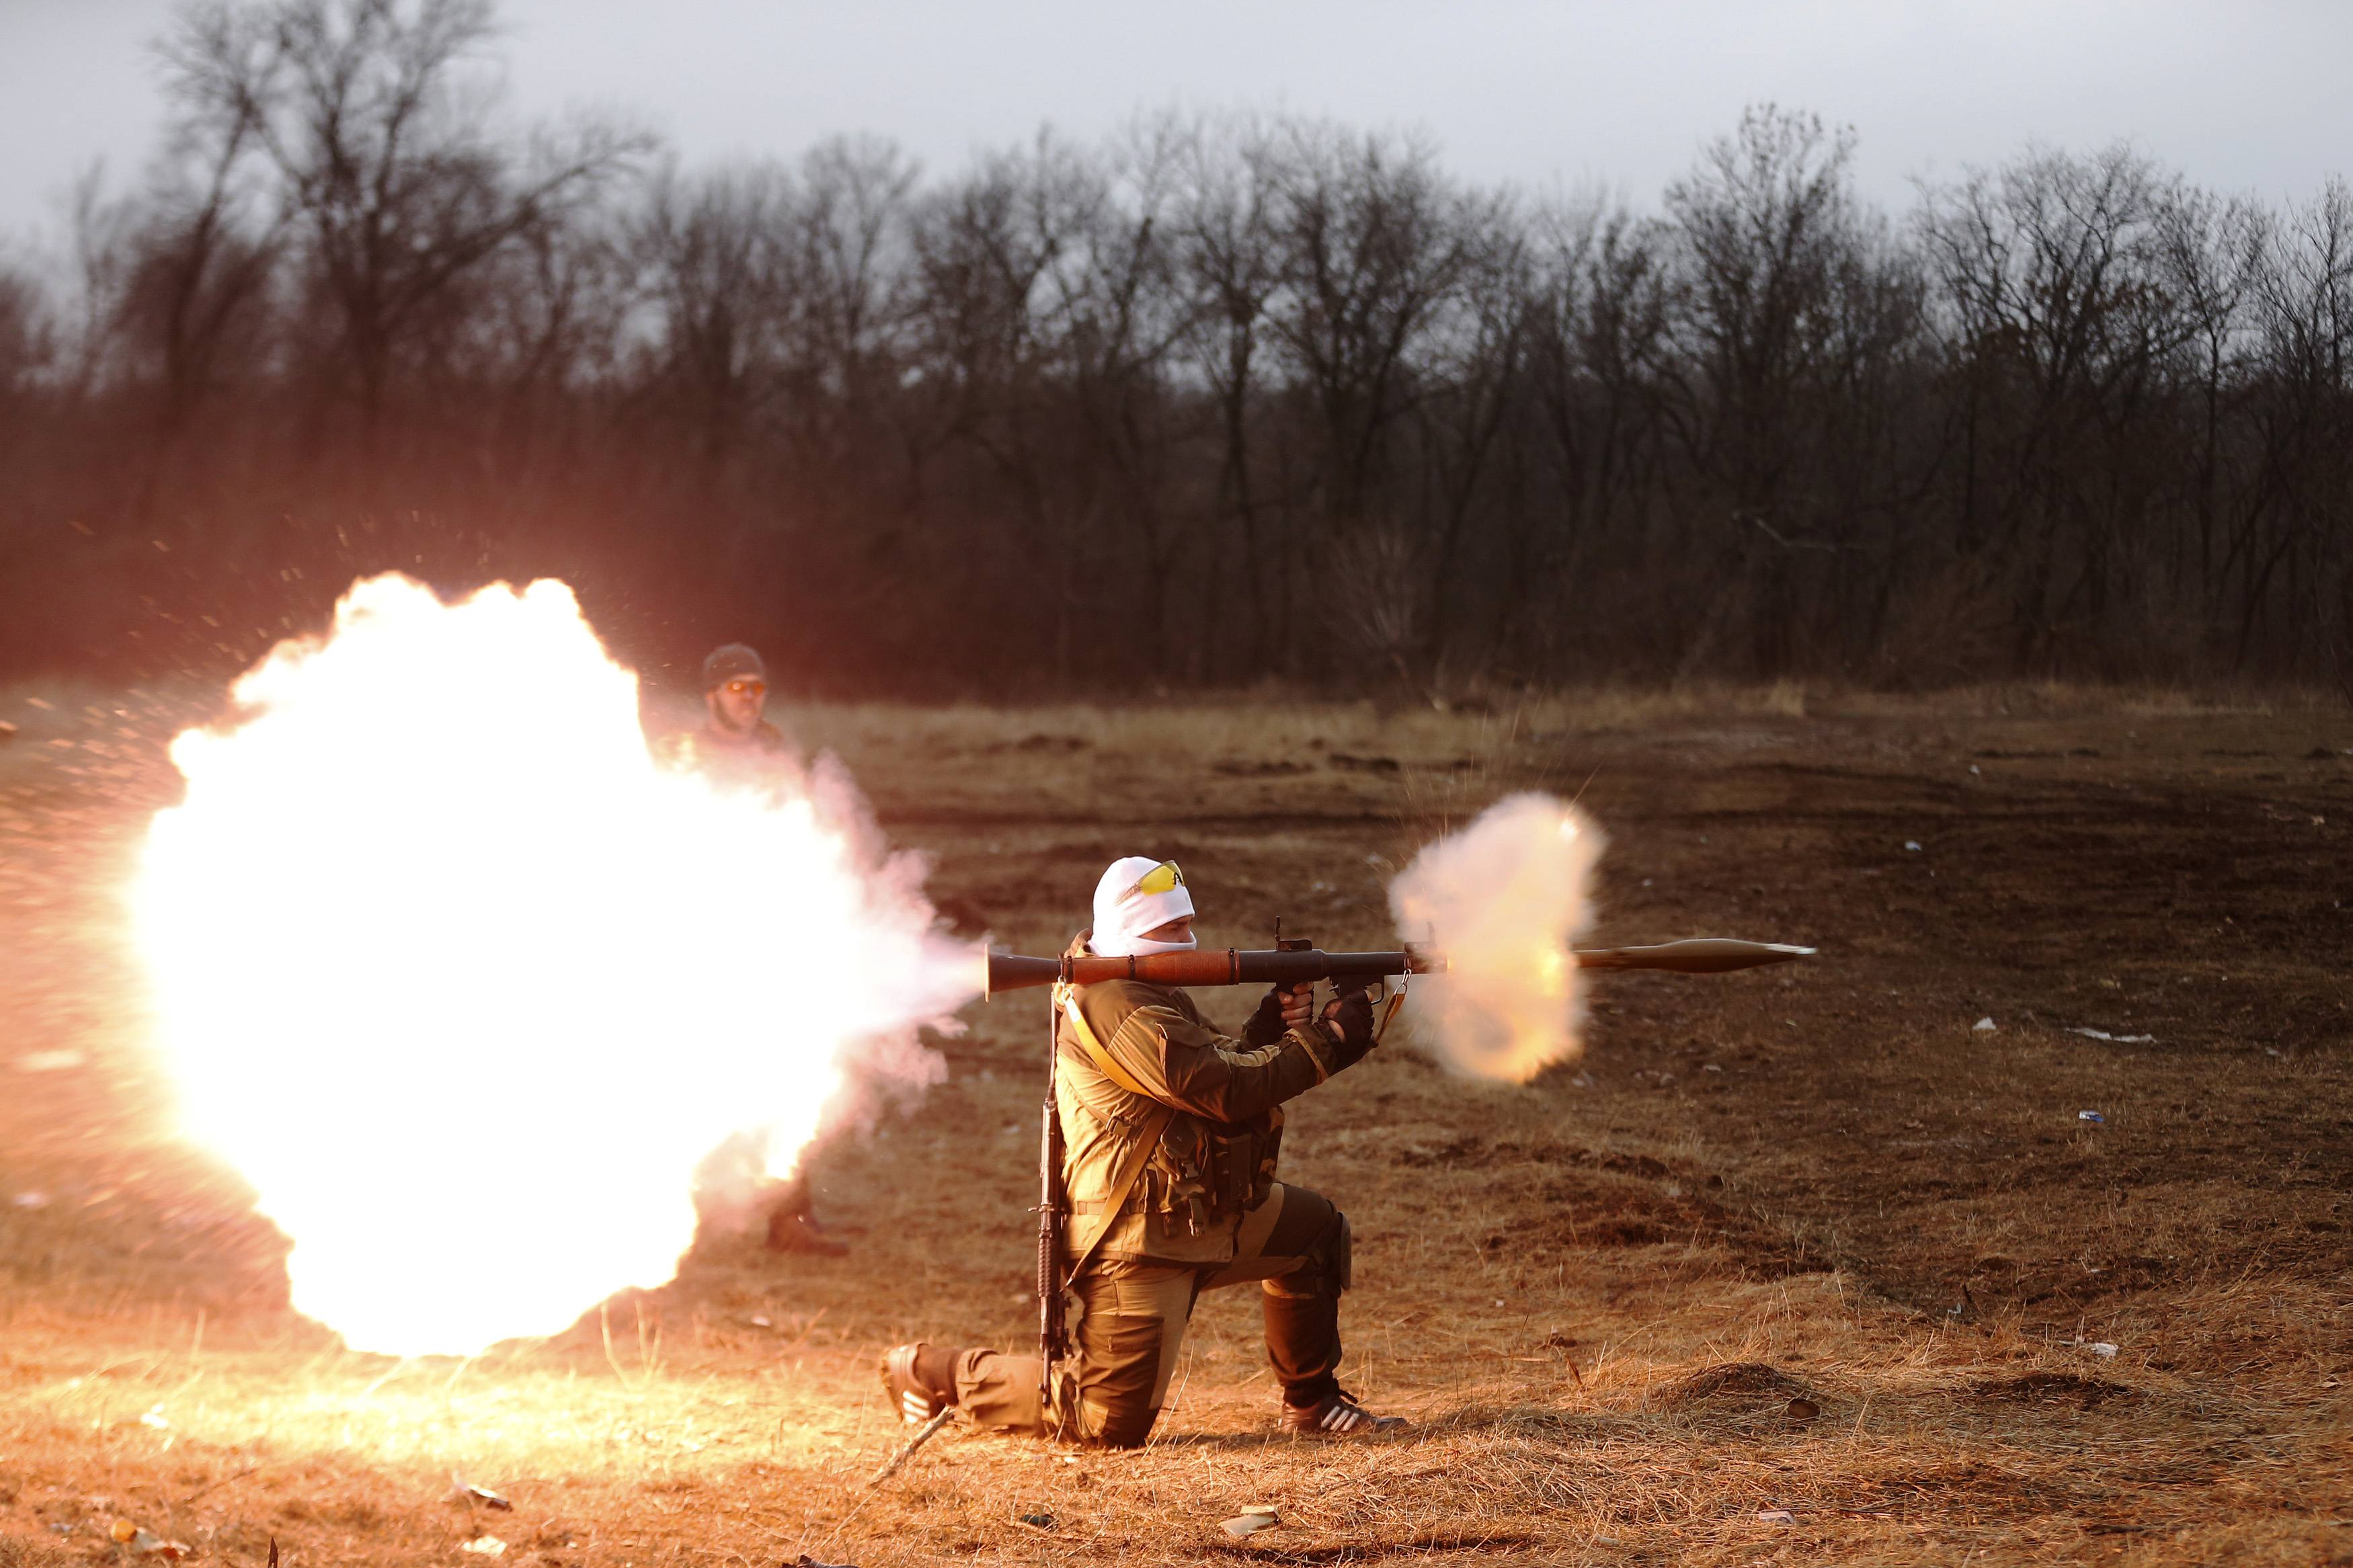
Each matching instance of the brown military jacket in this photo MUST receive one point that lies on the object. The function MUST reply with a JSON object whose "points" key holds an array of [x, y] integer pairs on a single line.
{"points": [[761, 757], [1219, 1088]]}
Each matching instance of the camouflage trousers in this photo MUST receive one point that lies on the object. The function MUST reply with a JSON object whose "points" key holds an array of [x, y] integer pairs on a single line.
{"points": [[1128, 1324]]}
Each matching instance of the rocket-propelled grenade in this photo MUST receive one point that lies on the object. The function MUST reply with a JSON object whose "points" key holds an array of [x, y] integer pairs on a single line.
{"points": [[1238, 966]]}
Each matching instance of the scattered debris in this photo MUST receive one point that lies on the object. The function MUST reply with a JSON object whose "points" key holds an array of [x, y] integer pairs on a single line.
{"points": [[154, 1417], [147, 1543], [1984, 1026], [805, 1561], [31, 1200], [2100, 1348], [2115, 1039], [484, 1546], [49, 1061], [1775, 1516], [2090, 1116], [1036, 1521], [1913, 845], [1250, 1521], [760, 1323], [465, 1491]]}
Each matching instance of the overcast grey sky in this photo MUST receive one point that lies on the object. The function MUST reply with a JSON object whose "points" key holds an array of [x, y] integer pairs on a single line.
{"points": [[2244, 95]]}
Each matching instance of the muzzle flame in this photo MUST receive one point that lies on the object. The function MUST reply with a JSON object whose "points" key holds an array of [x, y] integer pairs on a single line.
{"points": [[465, 984], [1502, 900]]}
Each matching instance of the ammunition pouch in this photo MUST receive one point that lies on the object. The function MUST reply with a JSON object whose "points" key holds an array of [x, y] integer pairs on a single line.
{"points": [[1206, 1172]]}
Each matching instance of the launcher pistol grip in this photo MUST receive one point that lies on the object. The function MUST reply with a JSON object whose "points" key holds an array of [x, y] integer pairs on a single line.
{"points": [[1297, 944]]}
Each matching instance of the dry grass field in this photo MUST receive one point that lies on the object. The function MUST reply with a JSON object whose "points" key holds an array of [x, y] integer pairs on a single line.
{"points": [[1793, 1266]]}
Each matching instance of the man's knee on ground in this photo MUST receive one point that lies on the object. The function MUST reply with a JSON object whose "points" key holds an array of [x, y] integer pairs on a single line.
{"points": [[1121, 1427], [1119, 1371]]}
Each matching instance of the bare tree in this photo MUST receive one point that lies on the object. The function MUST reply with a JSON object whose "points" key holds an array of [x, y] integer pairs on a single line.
{"points": [[2213, 252], [1228, 269], [1371, 244], [208, 244], [988, 251], [1371, 240], [1599, 317], [712, 255], [25, 334], [2055, 302], [1475, 372], [849, 263], [2293, 554], [390, 171]]}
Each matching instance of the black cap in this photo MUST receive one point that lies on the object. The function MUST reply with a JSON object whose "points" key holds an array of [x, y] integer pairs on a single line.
{"points": [[732, 662]]}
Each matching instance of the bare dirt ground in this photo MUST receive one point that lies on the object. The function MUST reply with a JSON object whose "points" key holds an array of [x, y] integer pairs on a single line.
{"points": [[1793, 1266]]}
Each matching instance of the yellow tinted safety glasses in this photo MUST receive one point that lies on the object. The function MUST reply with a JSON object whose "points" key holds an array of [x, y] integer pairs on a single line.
{"points": [[1159, 880]]}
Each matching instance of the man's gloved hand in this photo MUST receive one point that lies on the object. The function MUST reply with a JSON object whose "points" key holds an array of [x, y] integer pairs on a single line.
{"points": [[1348, 1019], [1266, 1025], [1282, 1008]]}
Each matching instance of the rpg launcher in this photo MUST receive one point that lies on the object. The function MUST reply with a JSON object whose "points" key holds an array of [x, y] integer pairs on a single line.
{"points": [[1301, 966]]}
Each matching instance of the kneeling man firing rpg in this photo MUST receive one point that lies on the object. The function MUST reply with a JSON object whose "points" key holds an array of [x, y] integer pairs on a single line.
{"points": [[1170, 1131]]}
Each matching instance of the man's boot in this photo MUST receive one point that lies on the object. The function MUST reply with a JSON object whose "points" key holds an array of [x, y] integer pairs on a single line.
{"points": [[919, 1380], [1337, 1413]]}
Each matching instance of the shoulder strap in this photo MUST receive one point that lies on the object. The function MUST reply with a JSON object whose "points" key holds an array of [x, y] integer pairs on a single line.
{"points": [[1139, 1153], [1067, 999]]}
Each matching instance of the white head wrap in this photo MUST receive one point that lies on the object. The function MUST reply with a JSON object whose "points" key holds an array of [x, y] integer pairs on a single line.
{"points": [[1124, 912]]}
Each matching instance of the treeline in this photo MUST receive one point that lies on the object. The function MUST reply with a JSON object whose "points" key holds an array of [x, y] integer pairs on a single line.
{"points": [[1216, 401]]}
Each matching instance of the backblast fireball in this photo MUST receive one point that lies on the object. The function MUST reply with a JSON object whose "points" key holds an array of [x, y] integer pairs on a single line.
{"points": [[465, 984]]}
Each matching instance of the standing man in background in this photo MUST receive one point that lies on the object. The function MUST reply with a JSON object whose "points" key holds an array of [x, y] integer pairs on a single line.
{"points": [[736, 745]]}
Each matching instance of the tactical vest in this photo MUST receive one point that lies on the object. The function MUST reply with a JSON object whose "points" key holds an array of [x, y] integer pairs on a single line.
{"points": [[1200, 1177]]}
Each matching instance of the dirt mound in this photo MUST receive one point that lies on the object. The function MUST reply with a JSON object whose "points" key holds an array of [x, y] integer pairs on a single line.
{"points": [[1738, 1381]]}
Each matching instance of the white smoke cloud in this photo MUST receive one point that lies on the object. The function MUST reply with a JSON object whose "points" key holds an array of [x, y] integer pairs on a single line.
{"points": [[1503, 901]]}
